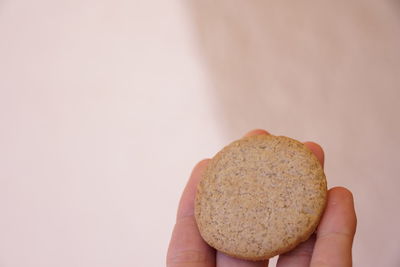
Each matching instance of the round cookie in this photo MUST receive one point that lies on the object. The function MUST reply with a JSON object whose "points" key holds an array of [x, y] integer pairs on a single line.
{"points": [[260, 196]]}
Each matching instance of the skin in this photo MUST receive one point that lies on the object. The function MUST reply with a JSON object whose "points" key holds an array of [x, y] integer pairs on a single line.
{"points": [[330, 246]]}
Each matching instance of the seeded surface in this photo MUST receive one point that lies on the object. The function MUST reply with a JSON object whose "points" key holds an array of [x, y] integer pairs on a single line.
{"points": [[260, 196]]}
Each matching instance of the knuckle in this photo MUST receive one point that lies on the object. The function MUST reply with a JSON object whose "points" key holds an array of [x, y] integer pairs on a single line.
{"points": [[319, 263], [186, 257], [336, 234]]}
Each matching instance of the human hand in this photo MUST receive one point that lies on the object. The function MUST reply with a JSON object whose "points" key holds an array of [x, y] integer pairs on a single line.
{"points": [[330, 246]]}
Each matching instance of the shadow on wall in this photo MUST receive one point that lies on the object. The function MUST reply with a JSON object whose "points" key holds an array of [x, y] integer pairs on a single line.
{"points": [[289, 66]]}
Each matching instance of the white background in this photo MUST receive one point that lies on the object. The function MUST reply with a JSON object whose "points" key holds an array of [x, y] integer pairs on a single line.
{"points": [[105, 106]]}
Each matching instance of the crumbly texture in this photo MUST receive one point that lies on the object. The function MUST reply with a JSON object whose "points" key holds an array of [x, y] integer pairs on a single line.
{"points": [[260, 196]]}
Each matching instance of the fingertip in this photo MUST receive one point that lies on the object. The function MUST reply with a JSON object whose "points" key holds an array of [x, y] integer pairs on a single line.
{"points": [[256, 132], [342, 191], [339, 215], [201, 164], [340, 194], [317, 150]]}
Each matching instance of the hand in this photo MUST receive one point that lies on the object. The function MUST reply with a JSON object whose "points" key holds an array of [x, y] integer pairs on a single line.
{"points": [[329, 246]]}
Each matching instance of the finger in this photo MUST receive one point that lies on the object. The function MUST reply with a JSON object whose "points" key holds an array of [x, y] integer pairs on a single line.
{"points": [[187, 248], [317, 150], [256, 132], [224, 260], [336, 231], [298, 257]]}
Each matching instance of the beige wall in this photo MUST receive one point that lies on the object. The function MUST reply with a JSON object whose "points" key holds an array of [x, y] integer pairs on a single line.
{"points": [[105, 106]]}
